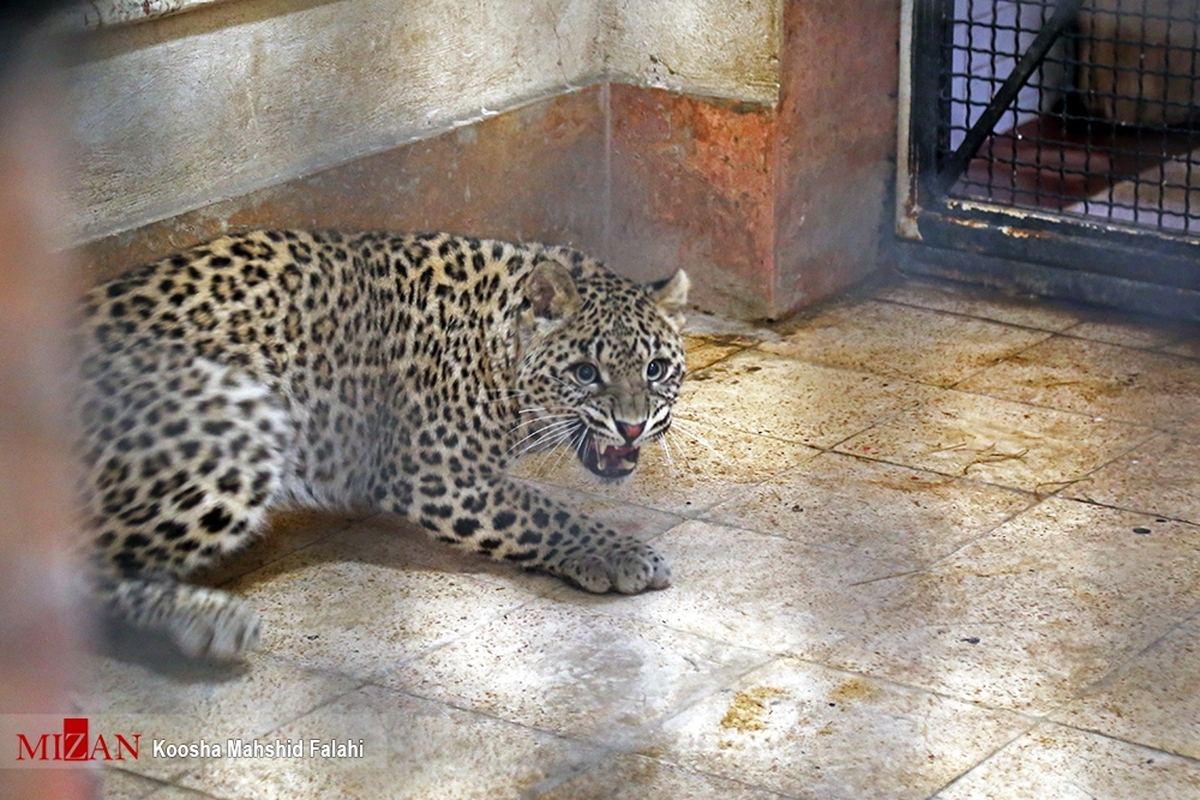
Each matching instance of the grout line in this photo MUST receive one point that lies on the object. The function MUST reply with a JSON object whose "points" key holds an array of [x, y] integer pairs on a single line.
{"points": [[740, 349], [1050, 336], [982, 761], [953, 387], [546, 483], [191, 791], [1141, 745], [927, 471], [976, 317], [233, 557], [692, 513], [163, 783], [1159, 427], [1110, 676], [1140, 512], [656, 725], [1033, 719], [375, 677], [982, 535], [1081, 316], [1151, 349]]}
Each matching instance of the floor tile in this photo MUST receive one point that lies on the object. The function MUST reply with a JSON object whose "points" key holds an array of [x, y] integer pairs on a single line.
{"points": [[354, 604], [875, 593], [634, 777], [783, 398], [1026, 311], [1151, 700], [895, 514], [752, 590], [554, 666], [200, 702], [1125, 329], [904, 342], [707, 464], [1160, 477], [725, 329], [116, 784], [1053, 762], [1188, 428], [1188, 344], [1024, 618], [179, 793], [997, 441], [412, 748], [640, 521], [391, 541], [808, 731], [704, 351], [287, 531], [1097, 379]]}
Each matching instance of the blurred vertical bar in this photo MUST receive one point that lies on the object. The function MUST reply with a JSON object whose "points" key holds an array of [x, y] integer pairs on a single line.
{"points": [[40, 633]]}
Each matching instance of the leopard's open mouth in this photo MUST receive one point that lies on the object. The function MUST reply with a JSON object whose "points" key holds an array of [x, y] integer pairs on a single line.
{"points": [[608, 460]]}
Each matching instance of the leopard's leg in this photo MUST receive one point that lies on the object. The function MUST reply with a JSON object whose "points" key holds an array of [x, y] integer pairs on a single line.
{"points": [[511, 522], [193, 488], [202, 622]]}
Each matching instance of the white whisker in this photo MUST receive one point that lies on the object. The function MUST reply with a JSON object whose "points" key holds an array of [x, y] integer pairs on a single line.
{"points": [[573, 445], [683, 427], [555, 433], [547, 432], [683, 453], [666, 448], [535, 420], [543, 435], [555, 455], [545, 409]]}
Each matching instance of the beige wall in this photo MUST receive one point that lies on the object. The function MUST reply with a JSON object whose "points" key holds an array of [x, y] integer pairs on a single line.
{"points": [[714, 48], [177, 112], [180, 111]]}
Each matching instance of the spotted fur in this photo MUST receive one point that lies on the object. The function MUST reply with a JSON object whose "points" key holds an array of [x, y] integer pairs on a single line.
{"points": [[403, 372]]}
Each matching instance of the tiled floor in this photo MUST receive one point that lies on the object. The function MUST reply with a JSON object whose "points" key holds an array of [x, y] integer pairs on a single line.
{"points": [[928, 542]]}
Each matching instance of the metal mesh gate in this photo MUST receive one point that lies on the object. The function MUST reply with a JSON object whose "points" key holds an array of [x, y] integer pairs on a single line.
{"points": [[1105, 124], [1054, 145]]}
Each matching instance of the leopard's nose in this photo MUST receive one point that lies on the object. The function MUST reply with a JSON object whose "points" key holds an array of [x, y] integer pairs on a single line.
{"points": [[630, 431]]}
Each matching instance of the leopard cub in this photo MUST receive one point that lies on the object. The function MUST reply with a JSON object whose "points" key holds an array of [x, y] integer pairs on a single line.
{"points": [[279, 368]]}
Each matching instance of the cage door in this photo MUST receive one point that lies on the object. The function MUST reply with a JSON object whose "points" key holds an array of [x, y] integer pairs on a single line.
{"points": [[1060, 134]]}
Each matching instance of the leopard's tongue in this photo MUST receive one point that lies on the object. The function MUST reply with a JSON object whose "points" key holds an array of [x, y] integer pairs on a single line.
{"points": [[610, 461], [615, 456]]}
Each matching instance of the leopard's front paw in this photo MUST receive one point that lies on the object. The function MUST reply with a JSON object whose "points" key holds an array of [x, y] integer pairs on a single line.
{"points": [[214, 625], [628, 568]]}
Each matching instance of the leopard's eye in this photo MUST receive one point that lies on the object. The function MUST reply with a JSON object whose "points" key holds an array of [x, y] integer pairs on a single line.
{"points": [[656, 370], [586, 374]]}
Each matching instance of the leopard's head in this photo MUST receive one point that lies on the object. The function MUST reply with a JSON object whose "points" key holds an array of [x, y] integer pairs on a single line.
{"points": [[601, 361]]}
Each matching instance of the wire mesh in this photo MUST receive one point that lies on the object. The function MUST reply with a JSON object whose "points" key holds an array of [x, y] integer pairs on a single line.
{"points": [[1107, 127]]}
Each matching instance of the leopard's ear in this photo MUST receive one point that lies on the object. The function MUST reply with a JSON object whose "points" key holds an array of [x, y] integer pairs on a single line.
{"points": [[551, 292], [671, 296]]}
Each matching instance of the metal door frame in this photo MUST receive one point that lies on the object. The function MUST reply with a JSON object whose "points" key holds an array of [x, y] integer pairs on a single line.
{"points": [[1093, 261]]}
